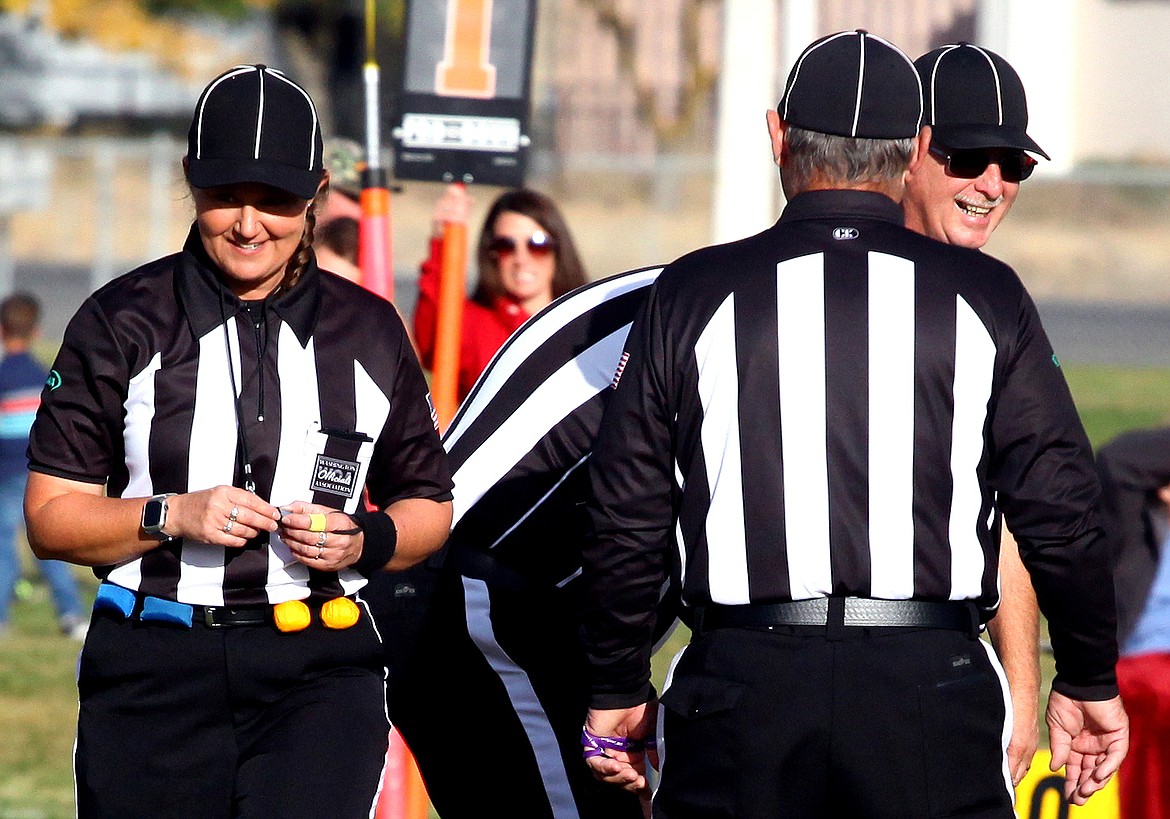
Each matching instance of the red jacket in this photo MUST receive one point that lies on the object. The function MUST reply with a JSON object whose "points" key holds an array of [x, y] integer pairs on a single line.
{"points": [[484, 329]]}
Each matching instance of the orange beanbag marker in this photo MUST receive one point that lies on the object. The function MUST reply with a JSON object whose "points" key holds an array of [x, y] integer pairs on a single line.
{"points": [[340, 612], [291, 615]]}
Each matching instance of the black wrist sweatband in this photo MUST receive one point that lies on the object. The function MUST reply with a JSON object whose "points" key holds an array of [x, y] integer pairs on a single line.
{"points": [[379, 541]]}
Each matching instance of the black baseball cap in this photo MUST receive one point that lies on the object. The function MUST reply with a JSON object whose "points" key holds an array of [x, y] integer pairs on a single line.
{"points": [[973, 98], [254, 124], [853, 84]]}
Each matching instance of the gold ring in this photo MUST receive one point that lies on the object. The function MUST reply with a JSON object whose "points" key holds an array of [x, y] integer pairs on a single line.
{"points": [[316, 522], [321, 540], [227, 527], [235, 513]]}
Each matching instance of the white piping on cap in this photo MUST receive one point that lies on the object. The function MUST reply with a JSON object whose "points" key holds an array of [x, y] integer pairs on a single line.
{"points": [[860, 74], [239, 69], [312, 108], [913, 69], [860, 83], [800, 62], [259, 115], [994, 73], [933, 76]]}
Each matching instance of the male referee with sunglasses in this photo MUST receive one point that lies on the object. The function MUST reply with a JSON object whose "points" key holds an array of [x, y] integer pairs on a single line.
{"points": [[974, 107], [958, 191]]}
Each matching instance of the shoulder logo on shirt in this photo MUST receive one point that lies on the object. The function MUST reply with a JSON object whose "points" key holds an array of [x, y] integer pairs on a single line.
{"points": [[621, 368], [335, 476], [843, 233], [53, 381], [1056, 360]]}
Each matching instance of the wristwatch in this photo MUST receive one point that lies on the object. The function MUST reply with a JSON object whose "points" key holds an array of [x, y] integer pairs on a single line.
{"points": [[154, 516]]}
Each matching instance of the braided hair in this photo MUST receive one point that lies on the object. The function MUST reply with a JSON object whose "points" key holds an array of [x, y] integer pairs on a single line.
{"points": [[299, 262]]}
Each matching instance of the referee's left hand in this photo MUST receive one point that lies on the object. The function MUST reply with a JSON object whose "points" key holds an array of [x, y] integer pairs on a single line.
{"points": [[338, 546], [1090, 739]]}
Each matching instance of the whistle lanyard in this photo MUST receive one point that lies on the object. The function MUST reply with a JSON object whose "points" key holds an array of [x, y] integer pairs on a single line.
{"points": [[244, 455]]}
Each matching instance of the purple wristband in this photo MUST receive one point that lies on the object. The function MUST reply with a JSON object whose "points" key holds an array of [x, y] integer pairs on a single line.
{"points": [[595, 745]]}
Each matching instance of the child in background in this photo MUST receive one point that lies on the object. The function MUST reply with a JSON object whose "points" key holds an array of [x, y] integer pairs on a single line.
{"points": [[21, 379]]}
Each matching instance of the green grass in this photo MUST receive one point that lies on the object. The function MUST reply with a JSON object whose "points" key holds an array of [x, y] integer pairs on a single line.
{"points": [[38, 700], [38, 708], [1112, 400]]}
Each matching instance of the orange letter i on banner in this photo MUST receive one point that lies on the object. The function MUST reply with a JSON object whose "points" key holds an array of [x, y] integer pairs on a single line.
{"points": [[465, 70]]}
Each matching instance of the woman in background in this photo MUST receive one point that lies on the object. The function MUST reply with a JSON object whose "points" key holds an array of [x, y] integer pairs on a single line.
{"points": [[526, 258]]}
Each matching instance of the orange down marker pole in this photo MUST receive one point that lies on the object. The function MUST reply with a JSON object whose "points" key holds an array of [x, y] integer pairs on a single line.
{"points": [[403, 794], [449, 323], [374, 248]]}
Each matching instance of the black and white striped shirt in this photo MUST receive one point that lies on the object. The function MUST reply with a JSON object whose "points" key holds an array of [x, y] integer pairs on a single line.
{"points": [[840, 406], [141, 399], [520, 441]]}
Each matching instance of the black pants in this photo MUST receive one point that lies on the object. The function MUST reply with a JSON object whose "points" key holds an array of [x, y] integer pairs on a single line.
{"points": [[234, 722], [500, 672], [891, 723]]}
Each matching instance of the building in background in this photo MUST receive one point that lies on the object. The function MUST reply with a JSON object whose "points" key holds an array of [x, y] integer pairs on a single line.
{"points": [[1086, 65]]}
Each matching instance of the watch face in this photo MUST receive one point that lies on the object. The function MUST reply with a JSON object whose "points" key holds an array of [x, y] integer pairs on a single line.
{"points": [[153, 514]]}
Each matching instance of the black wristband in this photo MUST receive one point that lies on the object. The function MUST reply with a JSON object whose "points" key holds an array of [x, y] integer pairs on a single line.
{"points": [[379, 543]]}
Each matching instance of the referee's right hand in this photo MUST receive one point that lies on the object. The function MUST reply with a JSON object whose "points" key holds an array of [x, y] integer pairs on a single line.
{"points": [[1090, 739], [622, 768], [223, 515]]}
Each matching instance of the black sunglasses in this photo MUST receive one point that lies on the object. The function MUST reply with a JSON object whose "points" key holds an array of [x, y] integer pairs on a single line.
{"points": [[1015, 165], [539, 244]]}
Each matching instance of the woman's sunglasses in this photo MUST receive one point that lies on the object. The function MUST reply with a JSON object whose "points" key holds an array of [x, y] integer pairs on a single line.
{"points": [[540, 244], [968, 163]]}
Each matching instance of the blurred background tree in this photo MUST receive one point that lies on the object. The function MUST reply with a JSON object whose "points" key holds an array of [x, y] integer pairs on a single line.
{"points": [[320, 42], [671, 117]]}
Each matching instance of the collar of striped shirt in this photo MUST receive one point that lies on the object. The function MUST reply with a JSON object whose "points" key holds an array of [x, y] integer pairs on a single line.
{"points": [[854, 204], [199, 290]]}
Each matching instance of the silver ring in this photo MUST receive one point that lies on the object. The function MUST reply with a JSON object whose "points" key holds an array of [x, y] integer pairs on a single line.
{"points": [[227, 527], [321, 540], [235, 513], [318, 555]]}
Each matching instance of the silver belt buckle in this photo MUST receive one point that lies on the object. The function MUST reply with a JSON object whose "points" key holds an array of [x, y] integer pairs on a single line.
{"points": [[209, 617]]}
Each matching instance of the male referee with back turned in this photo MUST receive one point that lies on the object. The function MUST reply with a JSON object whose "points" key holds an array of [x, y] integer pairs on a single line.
{"points": [[813, 430]]}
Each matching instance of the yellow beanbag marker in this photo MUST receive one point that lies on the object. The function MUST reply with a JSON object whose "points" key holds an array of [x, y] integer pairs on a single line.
{"points": [[291, 615], [340, 612]]}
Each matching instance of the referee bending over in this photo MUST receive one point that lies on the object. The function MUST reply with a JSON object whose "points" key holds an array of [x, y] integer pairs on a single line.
{"points": [[815, 430]]}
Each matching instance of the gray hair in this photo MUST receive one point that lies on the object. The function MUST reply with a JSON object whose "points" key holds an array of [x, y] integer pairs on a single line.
{"points": [[813, 155]]}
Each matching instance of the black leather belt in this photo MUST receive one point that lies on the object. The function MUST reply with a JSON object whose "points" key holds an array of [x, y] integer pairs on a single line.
{"points": [[225, 617], [838, 612]]}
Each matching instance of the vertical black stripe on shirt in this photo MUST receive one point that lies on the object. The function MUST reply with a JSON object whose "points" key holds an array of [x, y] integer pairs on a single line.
{"points": [[246, 569], [761, 462], [693, 507], [934, 415], [847, 417], [337, 399]]}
